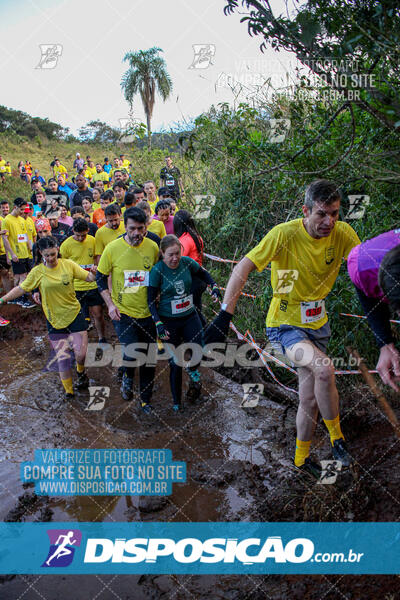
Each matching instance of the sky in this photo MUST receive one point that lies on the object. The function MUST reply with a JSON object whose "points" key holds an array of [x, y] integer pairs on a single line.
{"points": [[89, 40]]}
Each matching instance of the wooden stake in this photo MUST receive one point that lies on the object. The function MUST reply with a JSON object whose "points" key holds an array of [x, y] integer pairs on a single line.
{"points": [[370, 379]]}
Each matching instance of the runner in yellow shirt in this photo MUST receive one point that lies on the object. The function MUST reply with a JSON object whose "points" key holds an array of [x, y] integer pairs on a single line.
{"points": [[129, 260], [30, 229], [4, 269], [18, 245], [111, 230], [151, 196], [80, 247], [101, 175], [305, 256], [124, 163], [65, 322], [59, 169]]}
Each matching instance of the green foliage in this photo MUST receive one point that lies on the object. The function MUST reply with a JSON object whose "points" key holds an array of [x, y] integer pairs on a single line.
{"points": [[97, 132], [20, 123]]}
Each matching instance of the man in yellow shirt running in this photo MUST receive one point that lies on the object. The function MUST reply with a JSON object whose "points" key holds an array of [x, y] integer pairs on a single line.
{"points": [[129, 260], [113, 228], [80, 247], [305, 256]]}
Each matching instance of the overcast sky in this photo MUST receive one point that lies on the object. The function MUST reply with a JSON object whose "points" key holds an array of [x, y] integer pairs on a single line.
{"points": [[93, 36]]}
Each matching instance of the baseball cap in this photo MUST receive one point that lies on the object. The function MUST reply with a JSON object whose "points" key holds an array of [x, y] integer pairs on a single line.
{"points": [[42, 225]]}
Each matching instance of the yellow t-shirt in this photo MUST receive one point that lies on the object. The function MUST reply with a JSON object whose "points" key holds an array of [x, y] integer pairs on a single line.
{"points": [[61, 170], [2, 249], [17, 235], [56, 287], [129, 267], [105, 235], [157, 227], [153, 205], [303, 271], [102, 176], [8, 169], [81, 253], [2, 166], [126, 165], [31, 231]]}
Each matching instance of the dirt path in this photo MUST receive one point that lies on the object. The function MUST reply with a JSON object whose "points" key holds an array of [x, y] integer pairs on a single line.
{"points": [[238, 465]]}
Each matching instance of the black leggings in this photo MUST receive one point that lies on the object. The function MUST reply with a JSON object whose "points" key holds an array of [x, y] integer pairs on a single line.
{"points": [[188, 330]]}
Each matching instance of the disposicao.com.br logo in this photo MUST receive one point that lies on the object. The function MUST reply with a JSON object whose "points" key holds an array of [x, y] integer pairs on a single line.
{"points": [[248, 551]]}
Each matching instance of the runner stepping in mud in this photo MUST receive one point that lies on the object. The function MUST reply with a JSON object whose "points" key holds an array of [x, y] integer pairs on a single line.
{"points": [[305, 256]]}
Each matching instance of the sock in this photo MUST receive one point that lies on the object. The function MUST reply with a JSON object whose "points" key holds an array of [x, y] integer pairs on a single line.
{"points": [[302, 452], [333, 427], [67, 385], [80, 368]]}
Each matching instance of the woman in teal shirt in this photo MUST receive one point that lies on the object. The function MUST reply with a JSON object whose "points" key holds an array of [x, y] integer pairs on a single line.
{"points": [[176, 317]]}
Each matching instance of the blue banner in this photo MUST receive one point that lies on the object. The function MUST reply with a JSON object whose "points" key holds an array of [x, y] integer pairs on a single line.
{"points": [[200, 548]]}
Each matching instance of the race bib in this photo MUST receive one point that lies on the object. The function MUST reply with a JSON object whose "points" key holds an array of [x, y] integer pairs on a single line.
{"points": [[135, 279], [312, 311], [22, 237], [86, 267], [181, 305]]}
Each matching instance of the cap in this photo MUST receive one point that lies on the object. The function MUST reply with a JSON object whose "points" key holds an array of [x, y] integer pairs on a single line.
{"points": [[77, 154], [27, 209], [42, 225]]}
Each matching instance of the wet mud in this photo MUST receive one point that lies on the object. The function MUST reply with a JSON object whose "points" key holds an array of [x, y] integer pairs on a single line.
{"points": [[239, 468]]}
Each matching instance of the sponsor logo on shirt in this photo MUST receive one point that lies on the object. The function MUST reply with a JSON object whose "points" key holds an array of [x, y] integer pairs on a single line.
{"points": [[329, 255]]}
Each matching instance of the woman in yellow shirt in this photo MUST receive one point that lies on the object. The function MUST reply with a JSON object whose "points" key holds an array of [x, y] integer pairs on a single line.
{"points": [[87, 207], [54, 278]]}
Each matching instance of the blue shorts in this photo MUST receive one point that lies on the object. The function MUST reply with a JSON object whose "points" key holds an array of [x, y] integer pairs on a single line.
{"points": [[286, 336]]}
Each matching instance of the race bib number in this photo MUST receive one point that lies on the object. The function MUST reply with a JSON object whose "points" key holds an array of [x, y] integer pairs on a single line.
{"points": [[312, 311], [181, 305], [135, 279], [86, 267], [22, 237]]}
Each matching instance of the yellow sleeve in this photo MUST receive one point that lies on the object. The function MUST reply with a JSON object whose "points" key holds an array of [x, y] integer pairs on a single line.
{"points": [[77, 271], [351, 239], [64, 249], [105, 265], [99, 245], [267, 249], [163, 232], [32, 281]]}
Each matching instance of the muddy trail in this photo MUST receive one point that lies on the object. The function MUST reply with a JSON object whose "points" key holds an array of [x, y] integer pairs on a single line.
{"points": [[238, 469]]}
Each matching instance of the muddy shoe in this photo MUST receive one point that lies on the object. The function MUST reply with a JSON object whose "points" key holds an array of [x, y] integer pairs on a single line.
{"points": [[340, 452], [177, 408], [120, 373], [82, 382], [68, 396], [126, 388], [310, 468], [146, 408], [194, 391]]}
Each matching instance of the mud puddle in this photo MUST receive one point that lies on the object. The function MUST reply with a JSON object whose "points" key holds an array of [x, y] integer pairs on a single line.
{"points": [[238, 468]]}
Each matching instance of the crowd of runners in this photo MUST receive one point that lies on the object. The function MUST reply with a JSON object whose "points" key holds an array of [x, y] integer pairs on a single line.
{"points": [[92, 240]]}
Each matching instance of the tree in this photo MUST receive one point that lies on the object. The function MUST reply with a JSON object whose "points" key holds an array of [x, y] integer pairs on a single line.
{"points": [[97, 132], [146, 74], [341, 42]]}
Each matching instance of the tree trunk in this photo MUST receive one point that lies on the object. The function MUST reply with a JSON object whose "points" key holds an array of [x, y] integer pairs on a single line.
{"points": [[148, 132]]}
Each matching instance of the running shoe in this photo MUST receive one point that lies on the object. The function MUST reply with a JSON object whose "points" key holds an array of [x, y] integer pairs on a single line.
{"points": [[69, 396], [146, 408], [126, 388], [120, 373], [194, 391], [311, 468], [340, 452], [19, 302], [82, 382], [28, 304], [177, 408], [3, 322]]}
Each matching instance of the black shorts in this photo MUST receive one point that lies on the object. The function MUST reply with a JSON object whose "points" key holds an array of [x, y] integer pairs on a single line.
{"points": [[89, 297], [23, 265], [3, 262], [78, 324]]}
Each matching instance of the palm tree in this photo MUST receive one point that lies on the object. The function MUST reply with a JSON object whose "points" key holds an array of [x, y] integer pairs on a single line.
{"points": [[147, 72]]}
